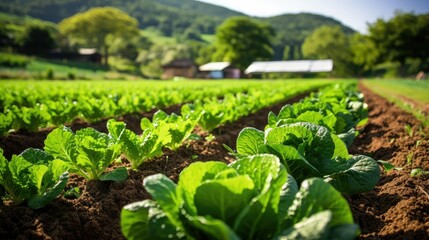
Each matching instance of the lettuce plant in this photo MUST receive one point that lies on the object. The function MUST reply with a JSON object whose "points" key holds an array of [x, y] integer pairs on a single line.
{"points": [[173, 129], [6, 122], [309, 150], [34, 176], [137, 149], [211, 111], [337, 109], [251, 198], [87, 152]]}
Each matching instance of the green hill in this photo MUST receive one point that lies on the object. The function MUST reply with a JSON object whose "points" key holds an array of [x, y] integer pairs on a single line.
{"points": [[169, 16], [292, 29], [179, 17]]}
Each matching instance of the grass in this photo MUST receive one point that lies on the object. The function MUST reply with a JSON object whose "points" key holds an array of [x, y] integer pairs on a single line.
{"points": [[156, 37], [401, 92], [40, 68], [415, 90], [208, 38]]}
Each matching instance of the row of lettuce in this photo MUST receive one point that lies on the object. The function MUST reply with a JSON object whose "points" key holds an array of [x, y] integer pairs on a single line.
{"points": [[38, 176], [34, 105], [286, 182], [255, 197]]}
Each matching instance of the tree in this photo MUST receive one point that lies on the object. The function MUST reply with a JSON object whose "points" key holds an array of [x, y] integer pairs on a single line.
{"points": [[98, 27], [129, 48], [36, 39], [330, 42], [365, 53], [403, 37], [241, 41]]}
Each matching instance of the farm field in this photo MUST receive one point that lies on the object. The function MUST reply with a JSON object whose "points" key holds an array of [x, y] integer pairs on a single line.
{"points": [[30, 105], [397, 208]]}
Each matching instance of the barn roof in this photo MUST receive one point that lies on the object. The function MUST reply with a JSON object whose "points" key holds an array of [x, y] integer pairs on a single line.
{"points": [[180, 63], [298, 66], [214, 66]]}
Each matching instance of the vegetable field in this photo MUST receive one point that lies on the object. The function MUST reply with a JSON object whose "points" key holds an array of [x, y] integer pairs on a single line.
{"points": [[296, 159]]}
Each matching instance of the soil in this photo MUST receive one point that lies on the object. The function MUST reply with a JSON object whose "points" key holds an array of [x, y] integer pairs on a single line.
{"points": [[397, 208]]}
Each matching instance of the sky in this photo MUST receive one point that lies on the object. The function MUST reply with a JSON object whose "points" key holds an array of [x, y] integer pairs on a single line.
{"points": [[353, 13]]}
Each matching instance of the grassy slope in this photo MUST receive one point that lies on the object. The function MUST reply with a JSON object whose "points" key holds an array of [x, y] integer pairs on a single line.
{"points": [[415, 90], [398, 91], [38, 68]]}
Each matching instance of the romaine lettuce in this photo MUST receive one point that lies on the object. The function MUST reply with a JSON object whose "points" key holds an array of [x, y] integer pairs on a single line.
{"points": [[251, 198], [34, 176], [87, 153], [309, 150]]}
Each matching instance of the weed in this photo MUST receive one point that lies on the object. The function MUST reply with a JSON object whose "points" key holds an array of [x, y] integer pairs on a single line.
{"points": [[409, 130], [418, 172], [418, 142], [410, 158], [387, 166], [210, 138], [73, 193]]}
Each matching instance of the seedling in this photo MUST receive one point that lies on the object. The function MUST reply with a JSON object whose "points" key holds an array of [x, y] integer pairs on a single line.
{"points": [[210, 138], [418, 142], [410, 158], [73, 193], [388, 166], [409, 130], [418, 172]]}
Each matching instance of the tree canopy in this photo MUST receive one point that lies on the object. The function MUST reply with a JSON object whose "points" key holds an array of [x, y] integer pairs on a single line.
{"points": [[37, 39], [408, 37], [241, 41], [401, 38], [330, 42], [98, 28]]}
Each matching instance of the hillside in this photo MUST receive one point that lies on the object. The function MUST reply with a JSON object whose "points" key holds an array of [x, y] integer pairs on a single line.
{"points": [[172, 18], [292, 29], [169, 16], [295, 27]]}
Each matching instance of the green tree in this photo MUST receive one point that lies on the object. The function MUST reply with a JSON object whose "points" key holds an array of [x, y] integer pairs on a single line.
{"points": [[98, 28], [330, 42], [37, 39], [241, 41], [403, 37], [365, 53], [129, 48]]}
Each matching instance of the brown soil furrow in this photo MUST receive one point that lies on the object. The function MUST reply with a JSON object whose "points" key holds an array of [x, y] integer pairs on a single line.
{"points": [[396, 208]]}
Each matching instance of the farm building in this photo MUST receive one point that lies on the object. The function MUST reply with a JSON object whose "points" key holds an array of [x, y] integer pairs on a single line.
{"points": [[180, 68], [290, 66], [218, 70], [82, 55]]}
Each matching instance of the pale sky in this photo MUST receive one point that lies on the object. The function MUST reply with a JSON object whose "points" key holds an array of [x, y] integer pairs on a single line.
{"points": [[353, 13]]}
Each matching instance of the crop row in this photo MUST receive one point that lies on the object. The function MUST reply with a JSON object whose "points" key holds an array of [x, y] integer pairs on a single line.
{"points": [[32, 105], [257, 196], [41, 175]]}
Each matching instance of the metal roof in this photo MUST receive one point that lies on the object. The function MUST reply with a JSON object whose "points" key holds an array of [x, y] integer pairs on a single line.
{"points": [[298, 66], [214, 66], [87, 51]]}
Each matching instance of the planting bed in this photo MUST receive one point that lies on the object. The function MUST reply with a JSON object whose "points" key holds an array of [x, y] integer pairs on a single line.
{"points": [[397, 208]]}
